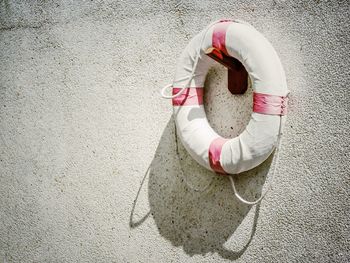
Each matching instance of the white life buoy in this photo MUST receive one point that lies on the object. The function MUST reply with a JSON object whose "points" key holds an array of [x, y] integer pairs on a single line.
{"points": [[254, 145]]}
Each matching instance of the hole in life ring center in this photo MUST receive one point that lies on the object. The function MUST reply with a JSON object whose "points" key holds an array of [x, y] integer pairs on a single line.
{"points": [[227, 114], [237, 76]]}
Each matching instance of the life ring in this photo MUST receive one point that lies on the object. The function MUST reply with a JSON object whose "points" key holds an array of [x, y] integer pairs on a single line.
{"points": [[242, 41]]}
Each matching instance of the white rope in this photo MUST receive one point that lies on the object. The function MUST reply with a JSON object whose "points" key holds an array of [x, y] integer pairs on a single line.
{"points": [[192, 75], [240, 198]]}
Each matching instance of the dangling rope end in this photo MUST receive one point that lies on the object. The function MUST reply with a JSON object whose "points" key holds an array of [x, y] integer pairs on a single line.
{"points": [[240, 198]]}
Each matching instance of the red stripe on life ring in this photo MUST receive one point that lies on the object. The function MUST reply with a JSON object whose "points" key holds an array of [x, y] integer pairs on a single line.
{"points": [[215, 153], [269, 104], [190, 96], [219, 36]]}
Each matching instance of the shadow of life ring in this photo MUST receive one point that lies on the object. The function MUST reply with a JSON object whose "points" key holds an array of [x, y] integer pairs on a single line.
{"points": [[243, 50]]}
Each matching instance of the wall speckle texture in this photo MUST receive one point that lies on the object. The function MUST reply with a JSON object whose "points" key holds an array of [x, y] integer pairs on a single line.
{"points": [[82, 123]]}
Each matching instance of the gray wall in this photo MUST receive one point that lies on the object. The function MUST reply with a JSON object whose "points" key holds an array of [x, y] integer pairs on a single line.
{"points": [[82, 124]]}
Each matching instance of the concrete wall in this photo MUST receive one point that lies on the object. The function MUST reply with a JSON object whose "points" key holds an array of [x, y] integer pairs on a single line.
{"points": [[82, 123]]}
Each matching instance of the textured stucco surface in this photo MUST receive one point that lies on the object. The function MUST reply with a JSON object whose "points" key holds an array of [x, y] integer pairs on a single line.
{"points": [[82, 123]]}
